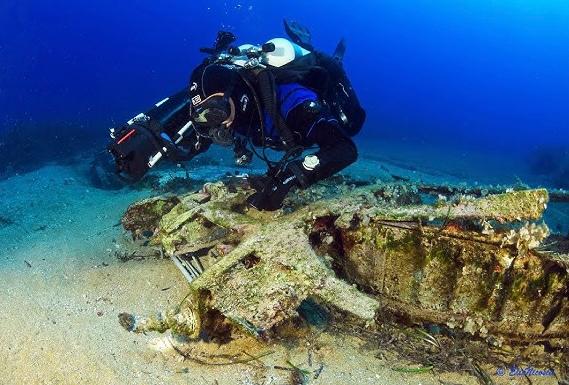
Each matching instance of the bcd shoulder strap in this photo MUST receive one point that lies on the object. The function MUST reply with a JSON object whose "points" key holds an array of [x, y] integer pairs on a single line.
{"points": [[268, 95]]}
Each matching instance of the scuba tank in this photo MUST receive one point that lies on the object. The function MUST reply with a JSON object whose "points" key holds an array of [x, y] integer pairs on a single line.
{"points": [[288, 62]]}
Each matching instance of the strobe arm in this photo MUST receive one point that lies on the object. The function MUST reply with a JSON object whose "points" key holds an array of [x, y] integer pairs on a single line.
{"points": [[167, 116]]}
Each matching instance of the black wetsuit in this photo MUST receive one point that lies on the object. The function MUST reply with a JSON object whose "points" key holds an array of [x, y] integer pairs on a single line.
{"points": [[312, 123], [316, 126]]}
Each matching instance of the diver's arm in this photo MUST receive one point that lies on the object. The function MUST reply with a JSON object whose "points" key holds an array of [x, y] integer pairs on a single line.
{"points": [[171, 113], [243, 156], [192, 145]]}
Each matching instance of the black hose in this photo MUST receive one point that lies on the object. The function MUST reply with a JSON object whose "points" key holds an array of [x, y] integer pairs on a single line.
{"points": [[268, 98], [263, 157]]}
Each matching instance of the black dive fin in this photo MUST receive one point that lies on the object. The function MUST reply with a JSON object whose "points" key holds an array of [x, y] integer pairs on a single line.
{"points": [[299, 34], [340, 50]]}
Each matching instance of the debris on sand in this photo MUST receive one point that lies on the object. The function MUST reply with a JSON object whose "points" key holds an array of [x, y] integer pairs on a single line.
{"points": [[470, 264]]}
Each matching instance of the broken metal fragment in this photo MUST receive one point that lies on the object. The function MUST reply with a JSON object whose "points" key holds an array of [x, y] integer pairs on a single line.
{"points": [[365, 252]]}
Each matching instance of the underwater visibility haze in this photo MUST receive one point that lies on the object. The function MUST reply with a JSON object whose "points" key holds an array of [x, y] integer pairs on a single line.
{"points": [[455, 216], [467, 71]]}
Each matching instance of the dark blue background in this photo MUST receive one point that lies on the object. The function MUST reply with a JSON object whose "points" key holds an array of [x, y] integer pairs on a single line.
{"points": [[484, 73]]}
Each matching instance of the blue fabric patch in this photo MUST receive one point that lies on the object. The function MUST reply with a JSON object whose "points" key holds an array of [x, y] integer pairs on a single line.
{"points": [[289, 96], [270, 129]]}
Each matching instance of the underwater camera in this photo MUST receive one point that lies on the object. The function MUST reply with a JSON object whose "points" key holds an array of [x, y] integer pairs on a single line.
{"points": [[133, 148], [145, 139]]}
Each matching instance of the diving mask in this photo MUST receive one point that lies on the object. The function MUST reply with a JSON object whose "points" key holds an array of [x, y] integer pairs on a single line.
{"points": [[213, 117]]}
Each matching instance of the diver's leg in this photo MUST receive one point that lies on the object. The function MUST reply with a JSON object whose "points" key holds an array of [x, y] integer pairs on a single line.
{"points": [[336, 152]]}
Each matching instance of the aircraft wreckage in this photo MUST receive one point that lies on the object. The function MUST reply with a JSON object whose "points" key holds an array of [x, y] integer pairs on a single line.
{"points": [[475, 263]]}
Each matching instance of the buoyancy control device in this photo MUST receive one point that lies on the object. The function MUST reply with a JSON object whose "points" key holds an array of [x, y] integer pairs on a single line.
{"points": [[281, 61]]}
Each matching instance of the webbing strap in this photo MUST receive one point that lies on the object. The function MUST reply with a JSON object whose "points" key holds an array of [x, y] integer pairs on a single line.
{"points": [[268, 94]]}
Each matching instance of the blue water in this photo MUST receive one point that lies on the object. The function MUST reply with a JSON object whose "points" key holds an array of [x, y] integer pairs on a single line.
{"points": [[483, 76], [456, 91]]}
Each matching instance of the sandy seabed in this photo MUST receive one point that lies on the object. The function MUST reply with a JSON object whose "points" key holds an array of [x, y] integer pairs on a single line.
{"points": [[62, 287]]}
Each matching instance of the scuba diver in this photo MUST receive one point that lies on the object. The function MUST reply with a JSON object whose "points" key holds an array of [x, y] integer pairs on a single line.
{"points": [[283, 95]]}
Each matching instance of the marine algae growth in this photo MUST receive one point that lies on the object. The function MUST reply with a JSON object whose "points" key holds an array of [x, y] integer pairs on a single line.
{"points": [[469, 263]]}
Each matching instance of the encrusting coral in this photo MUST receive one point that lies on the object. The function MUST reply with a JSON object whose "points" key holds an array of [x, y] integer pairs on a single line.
{"points": [[468, 263]]}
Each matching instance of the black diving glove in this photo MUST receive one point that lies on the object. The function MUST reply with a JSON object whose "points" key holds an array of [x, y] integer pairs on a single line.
{"points": [[271, 194]]}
